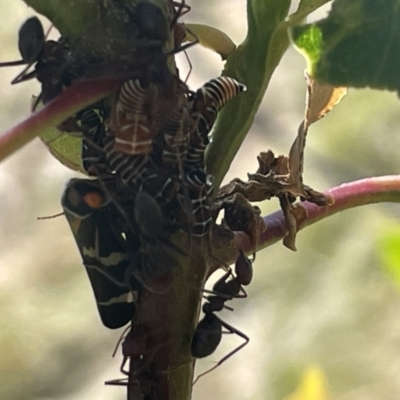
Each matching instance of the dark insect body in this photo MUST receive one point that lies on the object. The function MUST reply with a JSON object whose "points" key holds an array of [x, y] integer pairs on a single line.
{"points": [[124, 245], [208, 333], [147, 151], [54, 66], [150, 110], [140, 353], [31, 40], [153, 265], [133, 348], [92, 219], [133, 119]]}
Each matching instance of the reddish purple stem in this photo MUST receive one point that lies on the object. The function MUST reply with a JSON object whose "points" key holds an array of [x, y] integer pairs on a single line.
{"points": [[348, 195], [58, 110]]}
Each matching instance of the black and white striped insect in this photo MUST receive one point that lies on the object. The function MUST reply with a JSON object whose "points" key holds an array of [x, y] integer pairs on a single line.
{"points": [[176, 133], [154, 98], [99, 156], [207, 102], [102, 244], [131, 117], [200, 189]]}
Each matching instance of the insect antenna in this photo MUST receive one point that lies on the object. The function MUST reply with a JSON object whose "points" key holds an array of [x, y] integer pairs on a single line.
{"points": [[50, 216]]}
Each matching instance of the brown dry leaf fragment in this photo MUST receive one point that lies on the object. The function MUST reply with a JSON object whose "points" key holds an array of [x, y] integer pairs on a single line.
{"points": [[258, 188], [211, 38], [321, 98], [295, 215], [265, 161], [318, 198], [281, 166], [262, 187], [296, 162], [268, 163]]}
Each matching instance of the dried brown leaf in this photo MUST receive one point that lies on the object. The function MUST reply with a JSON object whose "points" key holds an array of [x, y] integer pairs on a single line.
{"points": [[295, 215], [321, 98], [296, 162]]}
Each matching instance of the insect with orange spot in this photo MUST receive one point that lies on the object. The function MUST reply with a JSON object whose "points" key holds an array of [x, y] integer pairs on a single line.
{"points": [[93, 221]]}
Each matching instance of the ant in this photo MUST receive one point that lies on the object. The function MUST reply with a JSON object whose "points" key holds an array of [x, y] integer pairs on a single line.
{"points": [[208, 333], [133, 346], [54, 68]]}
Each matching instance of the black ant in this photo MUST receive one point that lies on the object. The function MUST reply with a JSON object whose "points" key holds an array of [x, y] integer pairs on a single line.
{"points": [[31, 41], [208, 333], [133, 348], [54, 68]]}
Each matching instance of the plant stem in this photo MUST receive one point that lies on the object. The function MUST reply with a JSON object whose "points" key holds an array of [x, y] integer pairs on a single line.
{"points": [[349, 195], [54, 113]]}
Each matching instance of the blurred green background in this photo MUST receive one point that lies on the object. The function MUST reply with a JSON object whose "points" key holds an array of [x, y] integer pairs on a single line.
{"points": [[333, 303]]}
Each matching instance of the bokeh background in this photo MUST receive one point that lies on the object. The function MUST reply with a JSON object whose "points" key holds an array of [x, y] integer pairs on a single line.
{"points": [[331, 303]]}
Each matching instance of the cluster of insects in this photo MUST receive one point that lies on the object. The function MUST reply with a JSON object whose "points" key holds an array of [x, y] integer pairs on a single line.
{"points": [[143, 151]]}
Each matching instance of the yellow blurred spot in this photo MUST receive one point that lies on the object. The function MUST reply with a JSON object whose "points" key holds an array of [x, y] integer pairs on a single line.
{"points": [[313, 386]]}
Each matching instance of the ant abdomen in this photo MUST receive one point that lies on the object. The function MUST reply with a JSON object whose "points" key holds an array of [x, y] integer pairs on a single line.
{"points": [[243, 269], [31, 39], [207, 336]]}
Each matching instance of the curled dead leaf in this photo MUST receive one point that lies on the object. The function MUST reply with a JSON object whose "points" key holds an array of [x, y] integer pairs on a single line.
{"points": [[295, 215], [321, 98]]}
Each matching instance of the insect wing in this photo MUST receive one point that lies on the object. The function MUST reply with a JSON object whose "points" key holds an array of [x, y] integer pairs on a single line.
{"points": [[106, 261]]}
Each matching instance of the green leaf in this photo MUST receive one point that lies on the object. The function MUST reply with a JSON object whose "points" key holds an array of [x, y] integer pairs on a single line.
{"points": [[356, 45], [252, 64], [101, 28], [65, 148], [389, 252]]}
